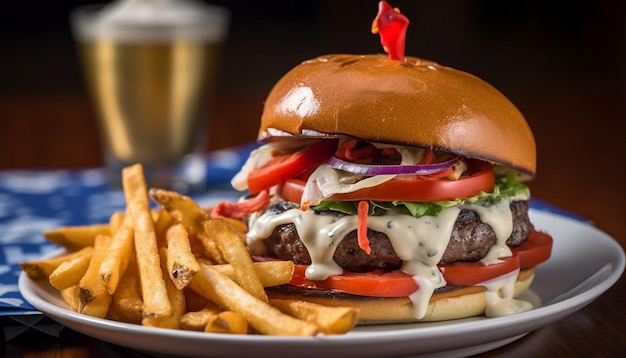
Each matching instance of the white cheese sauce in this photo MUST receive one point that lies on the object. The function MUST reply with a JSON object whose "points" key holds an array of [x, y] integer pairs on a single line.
{"points": [[499, 296], [419, 242], [500, 219]]}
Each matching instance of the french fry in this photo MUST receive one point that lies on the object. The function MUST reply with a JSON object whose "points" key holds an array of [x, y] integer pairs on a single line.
{"points": [[237, 255], [127, 302], [240, 227], [331, 320], [182, 208], [227, 322], [188, 213], [76, 237], [259, 314], [181, 263], [70, 272], [115, 315], [94, 300], [270, 273], [70, 296], [118, 254], [176, 298], [196, 320], [211, 250], [198, 250], [155, 298], [161, 225], [41, 269], [115, 222], [195, 301]]}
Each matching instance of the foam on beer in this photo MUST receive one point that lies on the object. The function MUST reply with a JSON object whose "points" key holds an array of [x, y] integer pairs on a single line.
{"points": [[155, 21]]}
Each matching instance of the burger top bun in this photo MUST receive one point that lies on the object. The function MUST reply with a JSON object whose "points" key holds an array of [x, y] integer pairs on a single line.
{"points": [[416, 103]]}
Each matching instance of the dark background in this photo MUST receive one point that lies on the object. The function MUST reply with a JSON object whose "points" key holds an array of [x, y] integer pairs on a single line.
{"points": [[507, 43], [551, 58], [563, 63]]}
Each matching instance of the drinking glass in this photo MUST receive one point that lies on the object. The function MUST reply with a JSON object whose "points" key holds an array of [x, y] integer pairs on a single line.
{"points": [[150, 66]]}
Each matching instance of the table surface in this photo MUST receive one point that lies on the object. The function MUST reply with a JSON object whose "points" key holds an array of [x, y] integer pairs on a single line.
{"points": [[580, 169]]}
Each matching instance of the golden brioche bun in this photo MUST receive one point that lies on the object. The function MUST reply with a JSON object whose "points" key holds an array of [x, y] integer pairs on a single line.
{"points": [[447, 304], [414, 103]]}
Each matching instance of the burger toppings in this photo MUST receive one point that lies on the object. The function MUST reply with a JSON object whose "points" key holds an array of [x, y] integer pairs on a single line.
{"points": [[470, 241], [383, 208], [324, 228]]}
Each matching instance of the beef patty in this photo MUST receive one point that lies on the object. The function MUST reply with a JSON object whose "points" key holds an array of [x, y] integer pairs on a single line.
{"points": [[470, 240]]}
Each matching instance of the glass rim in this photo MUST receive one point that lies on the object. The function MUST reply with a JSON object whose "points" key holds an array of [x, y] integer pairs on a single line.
{"points": [[211, 28]]}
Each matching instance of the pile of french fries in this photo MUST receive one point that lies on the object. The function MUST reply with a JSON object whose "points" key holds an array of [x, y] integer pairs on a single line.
{"points": [[175, 267]]}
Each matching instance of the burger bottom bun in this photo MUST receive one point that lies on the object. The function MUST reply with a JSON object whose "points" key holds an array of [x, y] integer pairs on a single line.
{"points": [[445, 304]]}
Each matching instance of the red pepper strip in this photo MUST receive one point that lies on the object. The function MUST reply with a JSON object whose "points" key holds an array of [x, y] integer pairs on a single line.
{"points": [[345, 148], [361, 231], [429, 157], [347, 151], [242, 209], [388, 151], [392, 28]]}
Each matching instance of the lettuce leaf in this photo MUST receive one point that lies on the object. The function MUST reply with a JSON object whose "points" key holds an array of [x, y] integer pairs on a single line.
{"points": [[506, 187]]}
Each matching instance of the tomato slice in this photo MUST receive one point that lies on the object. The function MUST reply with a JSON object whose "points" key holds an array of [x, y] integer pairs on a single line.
{"points": [[415, 189], [284, 167], [535, 250], [473, 273], [375, 283], [399, 284], [427, 190]]}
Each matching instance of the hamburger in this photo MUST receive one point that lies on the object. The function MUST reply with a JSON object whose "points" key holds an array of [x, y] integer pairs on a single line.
{"points": [[396, 187]]}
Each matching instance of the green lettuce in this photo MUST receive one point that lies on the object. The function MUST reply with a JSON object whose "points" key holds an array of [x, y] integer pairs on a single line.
{"points": [[506, 187]]}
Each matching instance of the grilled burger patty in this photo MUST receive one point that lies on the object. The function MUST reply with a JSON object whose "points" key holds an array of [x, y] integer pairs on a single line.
{"points": [[470, 240]]}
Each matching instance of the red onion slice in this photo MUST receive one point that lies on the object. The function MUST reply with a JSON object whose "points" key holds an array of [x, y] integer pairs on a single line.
{"points": [[386, 169]]}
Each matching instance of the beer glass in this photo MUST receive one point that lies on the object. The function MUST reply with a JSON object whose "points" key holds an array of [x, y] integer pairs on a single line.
{"points": [[150, 66]]}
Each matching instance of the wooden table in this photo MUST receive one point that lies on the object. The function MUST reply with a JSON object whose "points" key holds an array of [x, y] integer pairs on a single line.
{"points": [[581, 169]]}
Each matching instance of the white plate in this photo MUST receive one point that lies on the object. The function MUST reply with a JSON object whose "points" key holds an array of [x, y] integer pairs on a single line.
{"points": [[562, 284]]}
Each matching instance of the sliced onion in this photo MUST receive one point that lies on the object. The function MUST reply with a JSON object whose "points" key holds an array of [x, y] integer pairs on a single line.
{"points": [[386, 169]]}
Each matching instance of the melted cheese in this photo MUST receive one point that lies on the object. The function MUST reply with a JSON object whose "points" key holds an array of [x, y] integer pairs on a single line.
{"points": [[500, 219], [499, 296], [419, 242]]}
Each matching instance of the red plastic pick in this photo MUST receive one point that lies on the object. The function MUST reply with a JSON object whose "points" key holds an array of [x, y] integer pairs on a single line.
{"points": [[391, 25]]}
